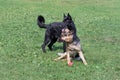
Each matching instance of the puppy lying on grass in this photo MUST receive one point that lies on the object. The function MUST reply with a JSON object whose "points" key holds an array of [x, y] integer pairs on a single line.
{"points": [[73, 47]]}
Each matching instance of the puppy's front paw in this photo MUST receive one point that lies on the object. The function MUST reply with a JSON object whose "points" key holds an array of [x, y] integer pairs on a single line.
{"points": [[70, 63], [85, 63], [56, 59]]}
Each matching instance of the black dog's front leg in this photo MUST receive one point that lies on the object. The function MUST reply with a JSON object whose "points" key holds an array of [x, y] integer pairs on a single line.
{"points": [[51, 43]]}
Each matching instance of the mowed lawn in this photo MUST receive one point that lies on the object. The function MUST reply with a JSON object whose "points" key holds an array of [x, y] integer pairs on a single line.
{"points": [[98, 27]]}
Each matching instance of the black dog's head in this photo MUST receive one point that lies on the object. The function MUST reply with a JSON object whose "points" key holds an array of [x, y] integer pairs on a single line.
{"points": [[69, 22], [67, 19]]}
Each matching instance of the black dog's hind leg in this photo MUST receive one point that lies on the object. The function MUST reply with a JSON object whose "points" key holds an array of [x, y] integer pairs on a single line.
{"points": [[44, 45], [51, 43], [46, 41]]}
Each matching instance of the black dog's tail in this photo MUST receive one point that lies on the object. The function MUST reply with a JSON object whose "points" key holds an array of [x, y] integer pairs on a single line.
{"points": [[41, 22]]}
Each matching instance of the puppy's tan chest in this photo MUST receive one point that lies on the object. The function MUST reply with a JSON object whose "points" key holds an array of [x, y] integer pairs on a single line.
{"points": [[71, 48]]}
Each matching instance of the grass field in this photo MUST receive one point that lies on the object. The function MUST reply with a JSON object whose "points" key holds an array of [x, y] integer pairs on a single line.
{"points": [[98, 26]]}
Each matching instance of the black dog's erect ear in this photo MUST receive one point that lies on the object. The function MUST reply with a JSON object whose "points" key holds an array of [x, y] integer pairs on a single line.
{"points": [[64, 15], [69, 16]]}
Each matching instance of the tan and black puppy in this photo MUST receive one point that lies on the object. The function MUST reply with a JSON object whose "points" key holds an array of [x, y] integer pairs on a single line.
{"points": [[73, 46]]}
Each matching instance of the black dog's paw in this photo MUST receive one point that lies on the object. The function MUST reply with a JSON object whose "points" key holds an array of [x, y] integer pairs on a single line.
{"points": [[43, 48], [50, 47]]}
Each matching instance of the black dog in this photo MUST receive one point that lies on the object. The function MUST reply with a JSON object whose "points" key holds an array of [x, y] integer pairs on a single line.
{"points": [[53, 30]]}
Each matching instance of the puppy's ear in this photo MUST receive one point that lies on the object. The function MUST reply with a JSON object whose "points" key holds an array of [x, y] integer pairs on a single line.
{"points": [[71, 31]]}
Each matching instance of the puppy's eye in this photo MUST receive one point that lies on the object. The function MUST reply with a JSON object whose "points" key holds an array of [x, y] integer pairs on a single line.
{"points": [[69, 34], [62, 35], [65, 35]]}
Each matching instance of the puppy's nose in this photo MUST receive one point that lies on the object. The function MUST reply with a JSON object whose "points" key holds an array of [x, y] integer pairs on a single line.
{"points": [[67, 38]]}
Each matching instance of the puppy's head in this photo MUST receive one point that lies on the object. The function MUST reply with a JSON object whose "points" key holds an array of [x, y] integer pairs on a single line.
{"points": [[67, 35]]}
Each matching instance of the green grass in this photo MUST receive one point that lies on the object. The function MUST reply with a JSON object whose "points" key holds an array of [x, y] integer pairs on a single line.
{"points": [[98, 26]]}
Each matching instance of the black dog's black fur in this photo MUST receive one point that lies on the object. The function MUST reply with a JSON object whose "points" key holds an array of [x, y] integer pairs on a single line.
{"points": [[53, 30]]}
